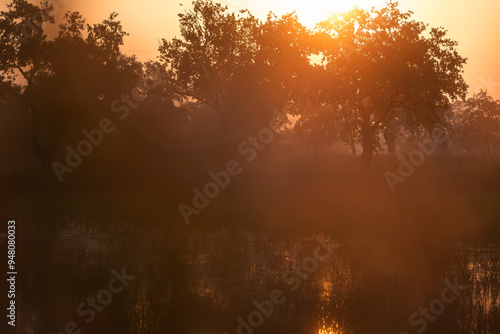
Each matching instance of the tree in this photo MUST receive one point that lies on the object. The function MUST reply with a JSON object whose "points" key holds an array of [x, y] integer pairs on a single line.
{"points": [[84, 73], [23, 40], [321, 124], [238, 66], [25, 50], [214, 44], [214, 48], [479, 130], [380, 62]]}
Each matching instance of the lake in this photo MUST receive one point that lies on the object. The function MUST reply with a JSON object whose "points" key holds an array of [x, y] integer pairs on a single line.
{"points": [[102, 277]]}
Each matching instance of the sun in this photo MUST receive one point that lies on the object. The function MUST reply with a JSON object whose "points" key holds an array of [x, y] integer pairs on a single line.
{"points": [[311, 12]]}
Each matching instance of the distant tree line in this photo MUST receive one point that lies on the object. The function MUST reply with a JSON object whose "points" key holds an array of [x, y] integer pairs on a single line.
{"points": [[373, 78]]}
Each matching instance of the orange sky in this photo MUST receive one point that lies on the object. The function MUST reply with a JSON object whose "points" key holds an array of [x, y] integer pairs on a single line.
{"points": [[474, 24]]}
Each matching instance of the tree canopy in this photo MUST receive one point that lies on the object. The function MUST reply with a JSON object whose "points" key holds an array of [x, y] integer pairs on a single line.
{"points": [[358, 77], [382, 61]]}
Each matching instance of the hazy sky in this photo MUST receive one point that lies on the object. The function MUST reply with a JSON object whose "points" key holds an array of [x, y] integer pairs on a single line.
{"points": [[474, 24]]}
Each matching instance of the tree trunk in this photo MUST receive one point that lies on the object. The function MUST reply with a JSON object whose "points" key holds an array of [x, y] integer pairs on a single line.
{"points": [[390, 140], [353, 148], [367, 143], [43, 153]]}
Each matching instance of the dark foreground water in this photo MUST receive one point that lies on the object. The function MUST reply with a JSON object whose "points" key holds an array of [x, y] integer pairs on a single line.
{"points": [[112, 278]]}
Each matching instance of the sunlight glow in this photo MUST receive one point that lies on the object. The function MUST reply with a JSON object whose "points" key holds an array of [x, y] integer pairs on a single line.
{"points": [[332, 329], [312, 11]]}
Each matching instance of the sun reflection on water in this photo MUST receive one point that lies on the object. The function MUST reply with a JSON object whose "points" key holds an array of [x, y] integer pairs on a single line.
{"points": [[332, 329]]}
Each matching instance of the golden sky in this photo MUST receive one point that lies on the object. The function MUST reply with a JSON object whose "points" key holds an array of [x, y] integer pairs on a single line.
{"points": [[474, 24]]}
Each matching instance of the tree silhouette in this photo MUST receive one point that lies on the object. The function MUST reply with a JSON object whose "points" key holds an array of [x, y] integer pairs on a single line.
{"points": [[238, 66], [213, 49], [25, 47], [66, 82], [479, 130], [382, 73], [213, 46], [381, 61]]}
